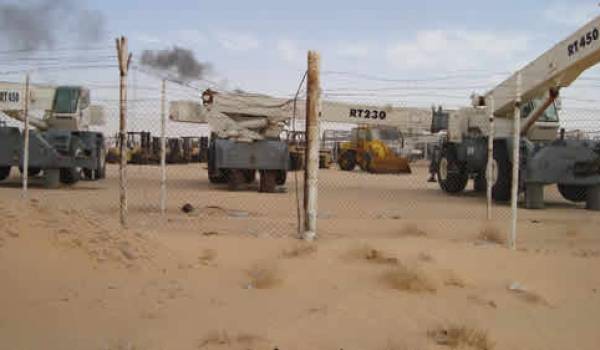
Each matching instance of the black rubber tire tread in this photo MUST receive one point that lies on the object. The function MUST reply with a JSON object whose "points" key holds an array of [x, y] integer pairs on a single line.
{"points": [[249, 176], [501, 191], [347, 161], [236, 179], [69, 176], [4, 172], [281, 177], [573, 193], [455, 182], [268, 181], [480, 183]]}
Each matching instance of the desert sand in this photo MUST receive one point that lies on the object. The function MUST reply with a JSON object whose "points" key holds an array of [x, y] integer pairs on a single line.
{"points": [[398, 265]]}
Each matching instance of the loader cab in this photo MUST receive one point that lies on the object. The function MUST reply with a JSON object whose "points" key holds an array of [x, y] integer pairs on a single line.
{"points": [[546, 128], [72, 110]]}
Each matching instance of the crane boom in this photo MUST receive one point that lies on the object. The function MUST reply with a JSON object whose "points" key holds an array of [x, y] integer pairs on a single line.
{"points": [[555, 69], [257, 111]]}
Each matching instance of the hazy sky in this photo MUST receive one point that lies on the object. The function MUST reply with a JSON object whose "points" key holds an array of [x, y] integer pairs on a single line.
{"points": [[261, 45]]}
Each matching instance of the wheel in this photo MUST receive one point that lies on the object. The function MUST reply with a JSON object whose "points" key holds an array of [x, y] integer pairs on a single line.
{"points": [[480, 183], [451, 176], [31, 171], [281, 177], [573, 193], [368, 160], [4, 172], [70, 176], [268, 181], [347, 161], [101, 171], [501, 174], [215, 176], [236, 179], [249, 176]]}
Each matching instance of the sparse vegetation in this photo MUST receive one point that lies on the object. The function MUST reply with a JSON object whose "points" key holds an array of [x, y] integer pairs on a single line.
{"points": [[462, 337], [412, 230], [452, 280], [263, 277], [372, 255], [491, 234], [300, 250], [407, 279]]}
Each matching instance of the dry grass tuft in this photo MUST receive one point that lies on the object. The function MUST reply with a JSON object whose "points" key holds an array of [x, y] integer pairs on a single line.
{"points": [[408, 279], [531, 297], [372, 255], [425, 257], [263, 277], [300, 250], [491, 234], [453, 280], [412, 230], [223, 340], [208, 256], [462, 337]]}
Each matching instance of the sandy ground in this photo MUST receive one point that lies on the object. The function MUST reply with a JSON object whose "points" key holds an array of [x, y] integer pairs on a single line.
{"points": [[398, 265]]}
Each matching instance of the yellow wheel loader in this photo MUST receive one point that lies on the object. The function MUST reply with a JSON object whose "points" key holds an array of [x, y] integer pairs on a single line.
{"points": [[376, 149]]}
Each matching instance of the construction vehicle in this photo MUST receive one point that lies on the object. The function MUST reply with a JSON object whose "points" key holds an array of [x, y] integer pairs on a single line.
{"points": [[545, 158], [247, 128], [375, 149], [296, 141], [60, 145]]}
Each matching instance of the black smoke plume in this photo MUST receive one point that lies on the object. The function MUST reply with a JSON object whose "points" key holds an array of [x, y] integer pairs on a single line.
{"points": [[178, 61], [33, 25]]}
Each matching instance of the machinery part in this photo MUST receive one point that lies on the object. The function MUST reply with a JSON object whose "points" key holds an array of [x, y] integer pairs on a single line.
{"points": [[215, 176], [573, 193], [593, 198], [52, 178], [534, 196], [365, 164], [31, 172], [249, 176], [268, 181], [451, 176], [347, 161], [100, 172], [72, 175], [281, 177], [236, 179], [502, 177], [480, 183], [4, 172]]}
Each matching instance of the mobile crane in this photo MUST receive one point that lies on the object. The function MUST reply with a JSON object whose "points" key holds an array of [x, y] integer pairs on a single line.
{"points": [[246, 131], [61, 145], [546, 158]]}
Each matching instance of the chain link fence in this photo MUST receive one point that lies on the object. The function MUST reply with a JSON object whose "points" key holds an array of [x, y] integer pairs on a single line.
{"points": [[355, 202]]}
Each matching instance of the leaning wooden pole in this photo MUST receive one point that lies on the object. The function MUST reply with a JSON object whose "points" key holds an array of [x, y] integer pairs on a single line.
{"points": [[25, 158], [163, 148], [491, 173], [516, 162], [313, 102], [124, 58]]}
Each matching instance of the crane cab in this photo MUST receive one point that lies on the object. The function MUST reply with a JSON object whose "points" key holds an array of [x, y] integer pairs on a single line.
{"points": [[71, 110]]}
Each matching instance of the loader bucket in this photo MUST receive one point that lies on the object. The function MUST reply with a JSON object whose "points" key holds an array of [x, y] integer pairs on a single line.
{"points": [[390, 165]]}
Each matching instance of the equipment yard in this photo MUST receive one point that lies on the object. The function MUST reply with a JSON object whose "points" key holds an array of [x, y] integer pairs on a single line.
{"points": [[399, 265]]}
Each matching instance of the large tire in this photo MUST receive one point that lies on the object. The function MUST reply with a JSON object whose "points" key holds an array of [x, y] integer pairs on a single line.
{"points": [[31, 172], [4, 172], [451, 175], [573, 193], [281, 177], [501, 190], [347, 161], [236, 179], [268, 181], [100, 172], [249, 176], [70, 176], [215, 176], [480, 183]]}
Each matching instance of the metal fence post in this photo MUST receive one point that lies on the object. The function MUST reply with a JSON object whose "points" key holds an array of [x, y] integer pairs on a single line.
{"points": [[516, 163], [491, 165], [312, 146], [124, 58], [25, 173], [163, 149]]}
